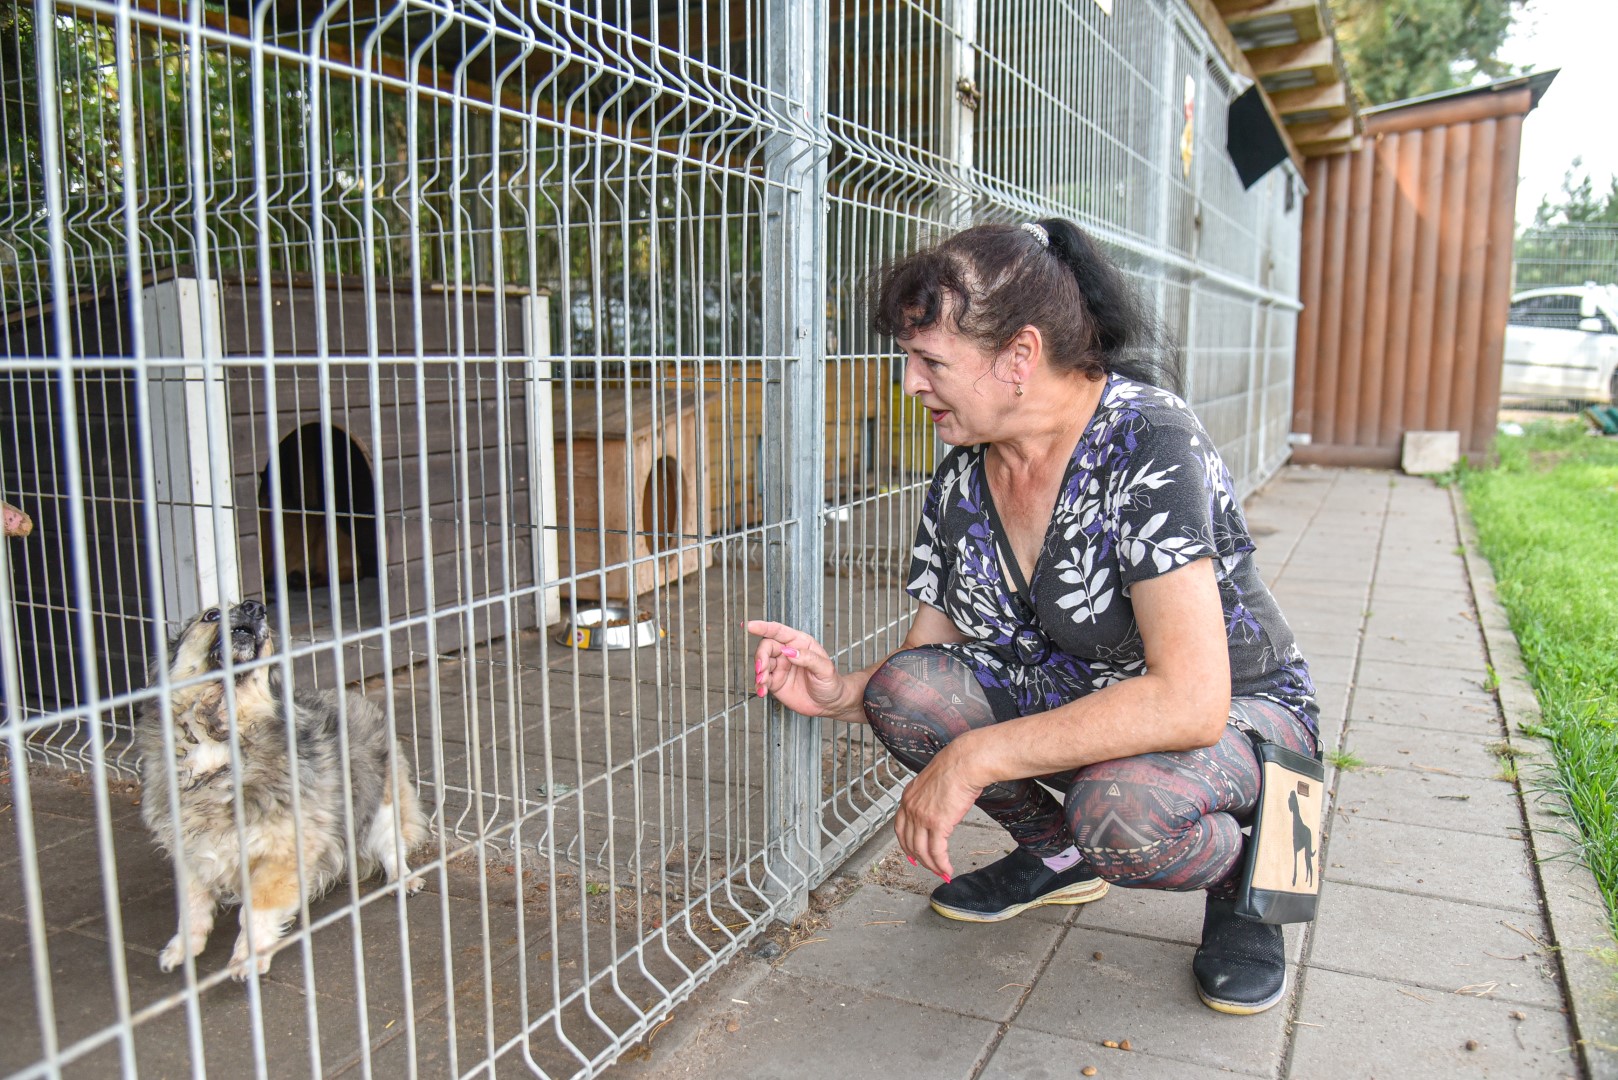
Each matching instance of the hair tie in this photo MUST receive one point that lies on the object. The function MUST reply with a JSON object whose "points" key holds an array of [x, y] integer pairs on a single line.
{"points": [[1038, 232]]}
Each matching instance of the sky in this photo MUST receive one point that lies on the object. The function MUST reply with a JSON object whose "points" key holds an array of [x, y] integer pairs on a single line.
{"points": [[1578, 116]]}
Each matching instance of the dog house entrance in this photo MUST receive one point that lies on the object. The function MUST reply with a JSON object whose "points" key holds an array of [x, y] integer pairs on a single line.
{"points": [[329, 526]]}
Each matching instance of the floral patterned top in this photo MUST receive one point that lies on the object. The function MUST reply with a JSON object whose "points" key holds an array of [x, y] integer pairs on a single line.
{"points": [[1145, 492]]}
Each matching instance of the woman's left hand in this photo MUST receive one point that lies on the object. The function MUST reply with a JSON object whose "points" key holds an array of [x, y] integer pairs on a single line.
{"points": [[933, 804]]}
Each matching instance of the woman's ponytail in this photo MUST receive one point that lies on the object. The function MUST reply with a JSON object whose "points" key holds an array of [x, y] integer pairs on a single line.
{"points": [[992, 280], [1125, 336]]}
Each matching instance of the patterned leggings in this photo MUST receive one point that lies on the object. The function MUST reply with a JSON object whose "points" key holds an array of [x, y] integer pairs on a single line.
{"points": [[1157, 821]]}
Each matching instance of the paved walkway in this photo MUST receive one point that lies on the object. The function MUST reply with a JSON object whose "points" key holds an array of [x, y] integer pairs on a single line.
{"points": [[1431, 957]]}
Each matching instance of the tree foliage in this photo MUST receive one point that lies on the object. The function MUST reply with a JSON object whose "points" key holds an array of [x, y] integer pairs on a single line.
{"points": [[1580, 204], [1397, 49]]}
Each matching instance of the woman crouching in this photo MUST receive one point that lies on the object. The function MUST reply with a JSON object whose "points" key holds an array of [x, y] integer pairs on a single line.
{"points": [[1089, 620]]}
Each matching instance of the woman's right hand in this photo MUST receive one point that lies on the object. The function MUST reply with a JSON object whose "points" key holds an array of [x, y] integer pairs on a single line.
{"points": [[795, 668]]}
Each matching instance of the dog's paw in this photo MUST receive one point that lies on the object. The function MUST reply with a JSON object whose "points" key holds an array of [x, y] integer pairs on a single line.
{"points": [[172, 956], [243, 959], [242, 962], [415, 885]]}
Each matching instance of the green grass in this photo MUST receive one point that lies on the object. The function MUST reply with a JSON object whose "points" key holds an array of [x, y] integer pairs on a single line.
{"points": [[1346, 760], [1547, 519]]}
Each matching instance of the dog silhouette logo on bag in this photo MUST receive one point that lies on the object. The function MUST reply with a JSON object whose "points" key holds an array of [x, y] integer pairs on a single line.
{"points": [[1303, 838]]}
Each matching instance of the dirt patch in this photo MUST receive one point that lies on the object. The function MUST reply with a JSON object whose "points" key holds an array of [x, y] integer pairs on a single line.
{"points": [[893, 872]]}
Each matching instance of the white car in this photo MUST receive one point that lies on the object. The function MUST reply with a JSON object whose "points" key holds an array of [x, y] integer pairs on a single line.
{"points": [[1563, 343]]}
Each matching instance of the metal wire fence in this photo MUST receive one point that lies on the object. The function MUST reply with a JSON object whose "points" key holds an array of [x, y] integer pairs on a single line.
{"points": [[511, 356], [1566, 255]]}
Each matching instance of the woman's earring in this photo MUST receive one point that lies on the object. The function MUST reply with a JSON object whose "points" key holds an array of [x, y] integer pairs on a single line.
{"points": [[1019, 389]]}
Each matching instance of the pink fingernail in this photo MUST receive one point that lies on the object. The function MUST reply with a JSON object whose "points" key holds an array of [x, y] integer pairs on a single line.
{"points": [[912, 861], [945, 877], [789, 652]]}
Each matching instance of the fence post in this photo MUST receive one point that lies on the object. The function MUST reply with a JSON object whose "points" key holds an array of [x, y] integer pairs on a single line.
{"points": [[536, 326], [194, 493], [960, 111], [794, 341]]}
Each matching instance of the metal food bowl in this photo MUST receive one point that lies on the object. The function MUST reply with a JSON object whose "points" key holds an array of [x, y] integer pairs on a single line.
{"points": [[610, 626]]}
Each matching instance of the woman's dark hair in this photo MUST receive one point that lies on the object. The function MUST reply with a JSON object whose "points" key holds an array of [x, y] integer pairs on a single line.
{"points": [[990, 281]]}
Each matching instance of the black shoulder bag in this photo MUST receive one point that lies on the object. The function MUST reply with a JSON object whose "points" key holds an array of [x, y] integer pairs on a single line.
{"points": [[1281, 872]]}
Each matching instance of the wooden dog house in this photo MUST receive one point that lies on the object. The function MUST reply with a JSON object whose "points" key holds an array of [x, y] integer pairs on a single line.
{"points": [[425, 435], [628, 489]]}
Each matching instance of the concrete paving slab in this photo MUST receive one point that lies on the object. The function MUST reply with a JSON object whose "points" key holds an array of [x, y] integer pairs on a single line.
{"points": [[428, 1042], [1418, 675], [425, 1040], [1346, 510], [1322, 568], [1333, 699], [1294, 589], [1426, 750], [1331, 670], [1312, 625], [888, 942], [1033, 1055], [1440, 863], [1384, 643], [67, 794], [1164, 916], [70, 878], [1142, 990], [1350, 1025], [1327, 638], [792, 1028], [1470, 712], [14, 937], [1441, 945], [83, 1002], [973, 845], [1463, 803], [1421, 623], [1426, 577], [1329, 527], [385, 970], [1150, 913]]}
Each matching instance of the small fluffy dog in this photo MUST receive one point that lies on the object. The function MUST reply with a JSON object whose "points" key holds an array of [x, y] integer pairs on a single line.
{"points": [[388, 817]]}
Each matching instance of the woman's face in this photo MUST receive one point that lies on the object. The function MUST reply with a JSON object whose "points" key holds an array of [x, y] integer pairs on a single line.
{"points": [[955, 381]]}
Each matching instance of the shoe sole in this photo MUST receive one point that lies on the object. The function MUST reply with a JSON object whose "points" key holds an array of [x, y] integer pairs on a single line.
{"points": [[1079, 893], [1238, 1008]]}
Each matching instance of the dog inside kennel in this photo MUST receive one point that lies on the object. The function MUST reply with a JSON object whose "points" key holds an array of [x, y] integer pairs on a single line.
{"points": [[355, 359]]}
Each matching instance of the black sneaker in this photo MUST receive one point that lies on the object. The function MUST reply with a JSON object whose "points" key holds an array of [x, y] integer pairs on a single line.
{"points": [[1014, 884], [1241, 965]]}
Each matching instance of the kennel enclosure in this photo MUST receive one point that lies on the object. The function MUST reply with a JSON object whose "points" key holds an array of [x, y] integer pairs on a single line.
{"points": [[539, 304]]}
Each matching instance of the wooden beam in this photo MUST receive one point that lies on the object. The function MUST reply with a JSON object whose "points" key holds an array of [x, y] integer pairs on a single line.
{"points": [[1333, 97], [1318, 150], [1462, 110], [1233, 55], [1334, 146], [1305, 15], [1316, 56], [1324, 131], [1231, 9]]}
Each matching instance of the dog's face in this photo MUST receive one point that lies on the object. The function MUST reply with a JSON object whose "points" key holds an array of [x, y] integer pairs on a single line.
{"points": [[201, 644]]}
